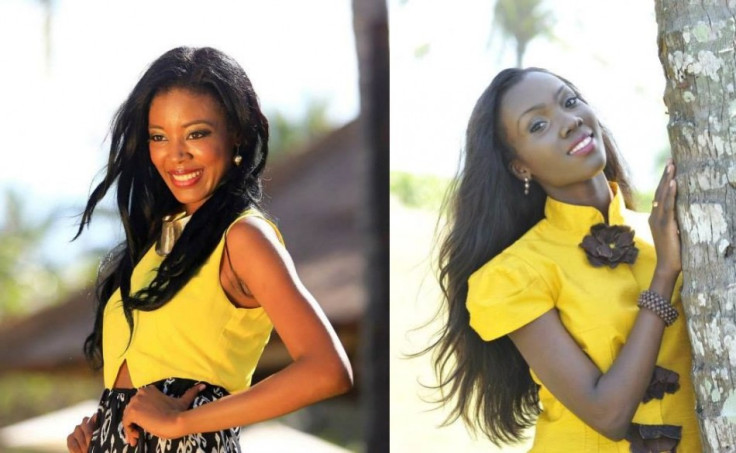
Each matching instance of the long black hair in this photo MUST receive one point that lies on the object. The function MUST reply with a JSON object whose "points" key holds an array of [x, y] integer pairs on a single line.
{"points": [[488, 384], [143, 197]]}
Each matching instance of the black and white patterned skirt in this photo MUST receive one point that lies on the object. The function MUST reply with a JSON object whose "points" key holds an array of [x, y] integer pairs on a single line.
{"points": [[108, 435]]}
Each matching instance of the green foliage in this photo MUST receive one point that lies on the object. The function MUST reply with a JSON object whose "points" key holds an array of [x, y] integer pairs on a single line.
{"points": [[428, 191], [29, 281], [643, 201], [663, 155], [26, 281], [288, 135], [26, 395], [419, 191]]}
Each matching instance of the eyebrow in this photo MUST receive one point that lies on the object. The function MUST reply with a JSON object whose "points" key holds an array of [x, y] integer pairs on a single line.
{"points": [[539, 106], [185, 125]]}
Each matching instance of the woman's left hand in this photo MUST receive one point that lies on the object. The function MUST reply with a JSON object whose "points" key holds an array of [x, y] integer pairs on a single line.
{"points": [[156, 413], [663, 223]]}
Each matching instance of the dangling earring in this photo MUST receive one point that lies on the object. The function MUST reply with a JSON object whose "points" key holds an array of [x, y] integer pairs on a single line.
{"points": [[237, 159], [526, 186]]}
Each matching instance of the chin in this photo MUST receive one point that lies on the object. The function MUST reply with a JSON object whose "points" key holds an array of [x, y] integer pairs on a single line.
{"points": [[598, 162]]}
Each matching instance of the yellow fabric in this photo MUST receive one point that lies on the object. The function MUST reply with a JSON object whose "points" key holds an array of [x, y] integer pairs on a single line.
{"points": [[199, 334], [547, 269]]}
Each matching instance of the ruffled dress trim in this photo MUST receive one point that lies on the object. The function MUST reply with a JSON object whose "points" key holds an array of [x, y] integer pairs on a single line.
{"points": [[656, 438], [663, 381]]}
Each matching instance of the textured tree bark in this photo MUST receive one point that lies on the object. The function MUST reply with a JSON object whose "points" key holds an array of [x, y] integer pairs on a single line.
{"points": [[370, 23], [696, 48]]}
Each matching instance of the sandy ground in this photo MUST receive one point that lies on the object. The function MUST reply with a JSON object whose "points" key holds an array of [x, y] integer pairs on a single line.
{"points": [[415, 426]]}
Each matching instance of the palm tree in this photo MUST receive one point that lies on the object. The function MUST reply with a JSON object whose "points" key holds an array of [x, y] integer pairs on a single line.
{"points": [[370, 25], [699, 96], [521, 21]]}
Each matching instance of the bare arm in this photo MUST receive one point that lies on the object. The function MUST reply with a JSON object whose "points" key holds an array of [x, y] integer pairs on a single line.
{"points": [[320, 368], [604, 401], [607, 401]]}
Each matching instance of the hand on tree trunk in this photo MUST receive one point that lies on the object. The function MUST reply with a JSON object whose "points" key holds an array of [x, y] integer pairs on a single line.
{"points": [[663, 224]]}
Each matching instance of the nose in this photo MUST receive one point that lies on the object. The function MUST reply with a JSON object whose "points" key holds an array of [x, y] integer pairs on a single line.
{"points": [[178, 151], [570, 124]]}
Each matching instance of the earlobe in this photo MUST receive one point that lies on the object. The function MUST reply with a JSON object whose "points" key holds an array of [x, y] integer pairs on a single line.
{"points": [[520, 171]]}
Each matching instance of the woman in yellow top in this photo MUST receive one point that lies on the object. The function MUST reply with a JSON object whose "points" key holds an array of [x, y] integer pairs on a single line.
{"points": [[562, 309], [186, 304]]}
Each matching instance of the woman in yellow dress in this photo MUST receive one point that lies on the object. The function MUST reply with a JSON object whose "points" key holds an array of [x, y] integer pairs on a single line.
{"points": [[562, 306], [187, 303]]}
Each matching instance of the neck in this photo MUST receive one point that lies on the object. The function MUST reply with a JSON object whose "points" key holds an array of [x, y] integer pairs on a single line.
{"points": [[594, 192]]}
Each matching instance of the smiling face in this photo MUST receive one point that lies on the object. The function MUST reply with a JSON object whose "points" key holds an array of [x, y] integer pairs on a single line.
{"points": [[556, 136], [190, 144]]}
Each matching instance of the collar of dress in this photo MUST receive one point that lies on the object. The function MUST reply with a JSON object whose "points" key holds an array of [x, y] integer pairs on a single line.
{"points": [[580, 218]]}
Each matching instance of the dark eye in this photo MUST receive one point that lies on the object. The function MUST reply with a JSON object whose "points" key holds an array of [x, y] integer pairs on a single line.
{"points": [[199, 134], [572, 101], [156, 138], [537, 126]]}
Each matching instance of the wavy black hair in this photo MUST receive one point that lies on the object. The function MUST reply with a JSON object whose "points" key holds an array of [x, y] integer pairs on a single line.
{"points": [[143, 197], [488, 384]]}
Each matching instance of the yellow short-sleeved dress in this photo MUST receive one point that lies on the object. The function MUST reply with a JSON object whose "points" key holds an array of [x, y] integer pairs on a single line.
{"points": [[545, 269]]}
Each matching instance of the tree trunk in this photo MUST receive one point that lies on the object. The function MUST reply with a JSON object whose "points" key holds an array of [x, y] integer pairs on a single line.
{"points": [[520, 50], [696, 49], [370, 23]]}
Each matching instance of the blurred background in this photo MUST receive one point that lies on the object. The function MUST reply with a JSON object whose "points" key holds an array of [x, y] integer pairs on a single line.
{"points": [[442, 58], [66, 67]]}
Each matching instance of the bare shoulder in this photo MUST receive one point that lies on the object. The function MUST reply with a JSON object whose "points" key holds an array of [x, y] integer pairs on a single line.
{"points": [[253, 232], [256, 255]]}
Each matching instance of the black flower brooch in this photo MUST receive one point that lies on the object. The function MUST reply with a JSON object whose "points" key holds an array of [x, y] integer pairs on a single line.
{"points": [[610, 245]]}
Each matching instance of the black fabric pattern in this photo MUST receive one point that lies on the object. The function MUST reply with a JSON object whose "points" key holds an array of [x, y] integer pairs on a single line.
{"points": [[108, 435]]}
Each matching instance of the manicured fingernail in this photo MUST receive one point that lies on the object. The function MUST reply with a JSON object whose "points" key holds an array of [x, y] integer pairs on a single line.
{"points": [[672, 183], [669, 169], [201, 386]]}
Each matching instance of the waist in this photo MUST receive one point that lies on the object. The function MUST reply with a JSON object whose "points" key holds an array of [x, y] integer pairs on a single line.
{"points": [[173, 386]]}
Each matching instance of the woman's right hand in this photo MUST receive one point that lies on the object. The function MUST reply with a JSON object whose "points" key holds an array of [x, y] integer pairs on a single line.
{"points": [[78, 441], [663, 223]]}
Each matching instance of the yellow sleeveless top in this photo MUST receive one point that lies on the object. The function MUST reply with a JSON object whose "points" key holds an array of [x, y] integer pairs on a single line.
{"points": [[546, 269], [199, 334]]}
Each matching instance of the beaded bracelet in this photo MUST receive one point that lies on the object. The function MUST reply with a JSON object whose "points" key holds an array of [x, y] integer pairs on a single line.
{"points": [[659, 305]]}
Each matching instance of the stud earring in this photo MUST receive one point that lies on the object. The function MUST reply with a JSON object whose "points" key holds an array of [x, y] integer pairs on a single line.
{"points": [[526, 186]]}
